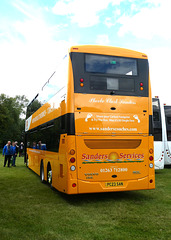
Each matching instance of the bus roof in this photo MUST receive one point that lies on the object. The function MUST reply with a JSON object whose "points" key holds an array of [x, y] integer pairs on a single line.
{"points": [[107, 50]]}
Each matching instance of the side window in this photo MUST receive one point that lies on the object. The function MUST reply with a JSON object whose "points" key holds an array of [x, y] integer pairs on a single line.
{"points": [[157, 126], [46, 137]]}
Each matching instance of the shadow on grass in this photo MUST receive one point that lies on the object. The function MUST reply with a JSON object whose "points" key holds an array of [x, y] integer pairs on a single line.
{"points": [[167, 166], [136, 196], [161, 171], [89, 198], [157, 172]]}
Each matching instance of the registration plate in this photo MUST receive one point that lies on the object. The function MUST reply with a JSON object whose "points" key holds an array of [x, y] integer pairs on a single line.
{"points": [[114, 184]]}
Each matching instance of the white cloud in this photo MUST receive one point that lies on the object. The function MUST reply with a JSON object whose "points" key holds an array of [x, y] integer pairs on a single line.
{"points": [[102, 39], [26, 67], [29, 52], [156, 2], [111, 21], [108, 22], [26, 9], [148, 22], [27, 64], [159, 61], [29, 57], [83, 12]]}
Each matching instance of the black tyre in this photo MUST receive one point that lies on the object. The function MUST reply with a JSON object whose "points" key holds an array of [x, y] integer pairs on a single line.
{"points": [[49, 175], [42, 175]]}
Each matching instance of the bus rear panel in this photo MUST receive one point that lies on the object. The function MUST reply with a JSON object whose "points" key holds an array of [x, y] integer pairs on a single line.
{"points": [[114, 142]]}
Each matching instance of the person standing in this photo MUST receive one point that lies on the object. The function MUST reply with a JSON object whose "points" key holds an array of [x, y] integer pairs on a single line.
{"points": [[21, 149], [34, 145], [15, 152], [17, 147], [41, 146], [8, 152]]}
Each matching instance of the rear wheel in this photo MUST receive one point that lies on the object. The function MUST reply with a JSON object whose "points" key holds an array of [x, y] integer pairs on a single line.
{"points": [[42, 176], [49, 175]]}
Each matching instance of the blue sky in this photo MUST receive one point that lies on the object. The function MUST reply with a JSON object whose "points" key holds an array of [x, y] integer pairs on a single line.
{"points": [[34, 35]]}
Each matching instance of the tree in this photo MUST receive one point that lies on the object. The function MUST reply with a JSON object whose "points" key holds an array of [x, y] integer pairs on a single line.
{"points": [[35, 105], [12, 111]]}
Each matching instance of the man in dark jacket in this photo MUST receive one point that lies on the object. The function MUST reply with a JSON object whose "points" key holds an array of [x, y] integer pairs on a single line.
{"points": [[21, 149], [8, 152]]}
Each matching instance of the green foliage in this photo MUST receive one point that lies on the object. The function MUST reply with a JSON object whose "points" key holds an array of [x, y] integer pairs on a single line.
{"points": [[11, 122], [33, 107], [31, 210]]}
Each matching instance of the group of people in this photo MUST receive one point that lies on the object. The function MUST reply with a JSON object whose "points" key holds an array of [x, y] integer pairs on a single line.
{"points": [[10, 151], [40, 146]]}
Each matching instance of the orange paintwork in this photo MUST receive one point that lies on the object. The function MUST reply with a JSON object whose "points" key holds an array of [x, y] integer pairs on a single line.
{"points": [[96, 116], [106, 50], [111, 140]]}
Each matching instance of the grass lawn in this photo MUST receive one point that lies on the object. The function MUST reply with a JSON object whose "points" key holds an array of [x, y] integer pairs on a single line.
{"points": [[31, 210]]}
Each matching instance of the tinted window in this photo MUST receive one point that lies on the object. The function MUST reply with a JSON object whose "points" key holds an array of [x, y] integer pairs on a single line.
{"points": [[156, 116], [156, 109], [168, 121], [49, 133], [157, 134], [46, 137], [110, 64], [157, 126], [106, 83], [101, 74]]}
